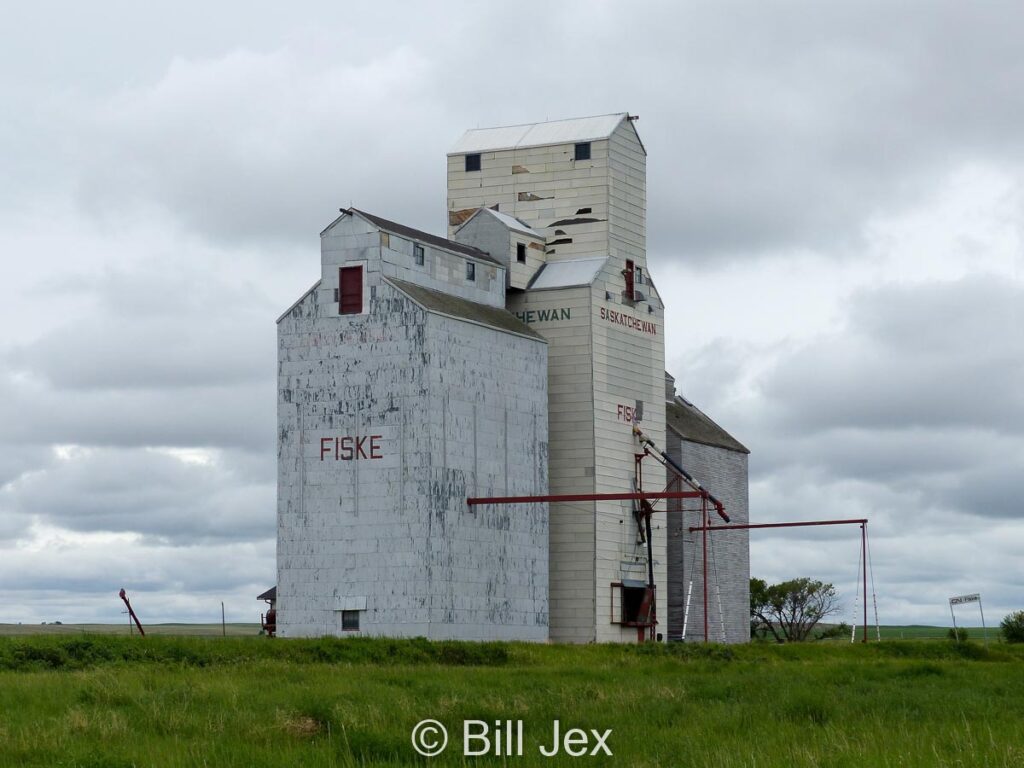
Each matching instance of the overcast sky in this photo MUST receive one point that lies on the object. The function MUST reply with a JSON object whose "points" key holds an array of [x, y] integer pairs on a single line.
{"points": [[836, 222]]}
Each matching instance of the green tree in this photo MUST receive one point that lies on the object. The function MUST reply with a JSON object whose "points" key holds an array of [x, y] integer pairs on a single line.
{"points": [[789, 611], [1013, 627]]}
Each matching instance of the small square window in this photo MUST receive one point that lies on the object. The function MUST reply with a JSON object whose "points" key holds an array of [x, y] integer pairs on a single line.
{"points": [[417, 254], [473, 162], [470, 270], [583, 151], [521, 253], [350, 621]]}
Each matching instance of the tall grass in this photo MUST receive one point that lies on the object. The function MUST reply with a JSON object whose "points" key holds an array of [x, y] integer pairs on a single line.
{"points": [[190, 702]]}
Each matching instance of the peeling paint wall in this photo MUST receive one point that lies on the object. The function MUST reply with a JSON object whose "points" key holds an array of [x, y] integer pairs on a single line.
{"points": [[443, 407], [724, 473]]}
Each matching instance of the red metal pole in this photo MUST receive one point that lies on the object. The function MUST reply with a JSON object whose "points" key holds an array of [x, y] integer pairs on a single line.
{"points": [[705, 522], [652, 495], [862, 522], [747, 527], [864, 557]]}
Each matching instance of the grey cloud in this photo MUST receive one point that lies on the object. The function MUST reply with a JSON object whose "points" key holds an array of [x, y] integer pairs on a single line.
{"points": [[237, 416], [913, 356], [770, 128], [264, 147], [76, 579], [103, 353], [147, 492]]}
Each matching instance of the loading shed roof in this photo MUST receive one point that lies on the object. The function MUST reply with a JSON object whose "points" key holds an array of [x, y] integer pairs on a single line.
{"points": [[692, 424], [462, 309], [567, 274]]}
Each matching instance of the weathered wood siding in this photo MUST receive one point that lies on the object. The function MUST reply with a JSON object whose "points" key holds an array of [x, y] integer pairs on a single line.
{"points": [[629, 367], [627, 184], [487, 233], [724, 473], [563, 318], [454, 407], [548, 186]]}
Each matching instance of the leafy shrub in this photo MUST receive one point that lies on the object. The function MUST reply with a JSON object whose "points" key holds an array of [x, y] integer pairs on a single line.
{"points": [[841, 630], [957, 635], [1013, 627]]}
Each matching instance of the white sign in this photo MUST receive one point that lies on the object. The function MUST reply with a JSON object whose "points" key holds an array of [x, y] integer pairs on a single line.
{"points": [[961, 599]]}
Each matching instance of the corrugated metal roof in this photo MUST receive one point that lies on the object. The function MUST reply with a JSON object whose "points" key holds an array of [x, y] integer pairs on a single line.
{"points": [[463, 309], [538, 134], [425, 237], [270, 594], [566, 274], [692, 424]]}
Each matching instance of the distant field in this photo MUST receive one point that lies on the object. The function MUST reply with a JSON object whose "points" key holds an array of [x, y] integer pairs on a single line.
{"points": [[923, 632], [186, 630], [95, 700], [909, 632]]}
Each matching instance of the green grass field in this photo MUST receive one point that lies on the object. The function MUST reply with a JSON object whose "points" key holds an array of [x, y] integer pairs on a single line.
{"points": [[180, 630], [89, 700]]}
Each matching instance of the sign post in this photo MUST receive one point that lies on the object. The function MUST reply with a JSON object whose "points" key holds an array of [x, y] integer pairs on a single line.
{"points": [[961, 600]]}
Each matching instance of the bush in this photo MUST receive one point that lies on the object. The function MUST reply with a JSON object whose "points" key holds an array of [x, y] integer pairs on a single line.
{"points": [[1013, 627], [959, 634], [841, 630]]}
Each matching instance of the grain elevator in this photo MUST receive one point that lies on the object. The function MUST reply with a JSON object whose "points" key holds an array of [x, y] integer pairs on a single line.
{"points": [[518, 357]]}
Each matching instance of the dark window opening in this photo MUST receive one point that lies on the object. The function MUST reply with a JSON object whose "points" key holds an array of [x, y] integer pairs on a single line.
{"points": [[584, 210], [639, 275], [521, 253], [628, 274], [472, 162], [637, 603], [417, 254], [350, 621], [470, 270], [583, 151], [350, 298]]}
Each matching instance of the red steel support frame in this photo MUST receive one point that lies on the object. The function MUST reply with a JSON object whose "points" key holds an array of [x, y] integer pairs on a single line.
{"points": [[554, 499], [640, 496], [862, 522]]}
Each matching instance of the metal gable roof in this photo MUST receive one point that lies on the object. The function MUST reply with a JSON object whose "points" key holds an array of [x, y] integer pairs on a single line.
{"points": [[693, 425], [446, 304], [538, 134], [567, 274], [516, 225]]}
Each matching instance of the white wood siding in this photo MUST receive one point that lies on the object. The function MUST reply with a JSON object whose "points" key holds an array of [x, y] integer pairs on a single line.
{"points": [[560, 184], [570, 452], [629, 365]]}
